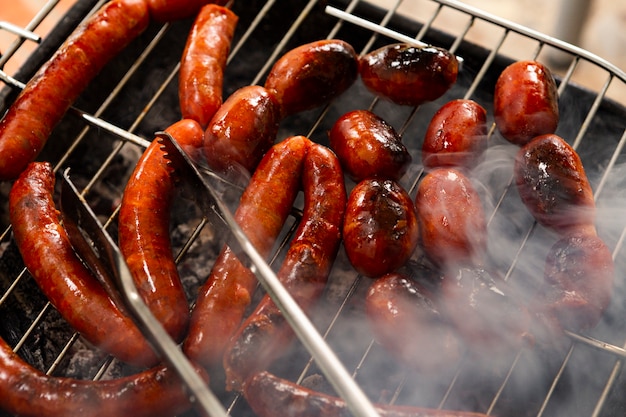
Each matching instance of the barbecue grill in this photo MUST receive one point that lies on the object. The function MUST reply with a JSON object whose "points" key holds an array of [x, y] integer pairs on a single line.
{"points": [[103, 135]]}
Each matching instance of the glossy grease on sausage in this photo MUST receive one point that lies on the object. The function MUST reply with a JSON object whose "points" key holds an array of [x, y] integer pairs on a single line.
{"points": [[43, 102], [61, 275], [266, 334], [144, 230], [163, 11]]}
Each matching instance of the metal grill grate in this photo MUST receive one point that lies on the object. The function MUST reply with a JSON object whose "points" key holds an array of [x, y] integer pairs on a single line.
{"points": [[136, 95]]}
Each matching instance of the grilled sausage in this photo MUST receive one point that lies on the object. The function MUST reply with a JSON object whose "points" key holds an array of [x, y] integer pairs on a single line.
{"points": [[271, 396], [170, 10], [380, 230], [26, 126], [552, 183], [28, 392], [62, 277], [578, 282], [525, 102], [406, 320], [144, 231], [312, 74], [265, 334], [201, 75], [453, 228], [368, 146], [408, 75], [263, 208], [241, 131], [456, 136]]}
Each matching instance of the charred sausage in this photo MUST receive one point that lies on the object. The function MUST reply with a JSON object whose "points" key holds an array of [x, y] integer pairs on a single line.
{"points": [[406, 320], [380, 230], [368, 146], [408, 75], [271, 396], [61, 275], [312, 74], [241, 131], [456, 136], [263, 208], [265, 334], [202, 65], [525, 102], [453, 229], [28, 392], [553, 185], [163, 11], [144, 231], [42, 103]]}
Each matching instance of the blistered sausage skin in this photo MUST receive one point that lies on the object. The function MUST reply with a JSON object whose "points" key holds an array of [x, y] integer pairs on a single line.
{"points": [[61, 275], [27, 125], [170, 10], [144, 230], [202, 65], [28, 392], [271, 396], [265, 334], [262, 211]]}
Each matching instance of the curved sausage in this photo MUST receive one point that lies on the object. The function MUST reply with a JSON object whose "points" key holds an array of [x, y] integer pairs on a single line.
{"points": [[262, 211], [408, 75], [265, 334], [312, 74], [368, 146], [271, 396], [456, 136], [26, 126], [553, 185], [453, 227], [201, 75], [144, 231], [380, 230], [61, 275], [241, 131], [163, 11], [526, 102], [28, 392], [406, 320]]}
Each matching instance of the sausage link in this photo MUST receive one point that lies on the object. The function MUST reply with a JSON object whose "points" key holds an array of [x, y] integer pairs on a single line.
{"points": [[163, 11], [28, 392], [144, 231], [25, 128], [203, 62], [62, 277], [263, 208], [265, 334], [269, 395]]}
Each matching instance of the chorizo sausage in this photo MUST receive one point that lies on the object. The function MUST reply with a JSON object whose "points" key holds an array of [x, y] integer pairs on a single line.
{"points": [[62, 277], [553, 185], [453, 228], [144, 231], [408, 75], [28, 392], [406, 321], [312, 74], [265, 334], [380, 230], [526, 102], [201, 75], [270, 396], [241, 131], [368, 146], [163, 11], [456, 136], [42, 103], [262, 211]]}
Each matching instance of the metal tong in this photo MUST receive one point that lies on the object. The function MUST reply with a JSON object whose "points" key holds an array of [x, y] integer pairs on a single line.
{"points": [[83, 226]]}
